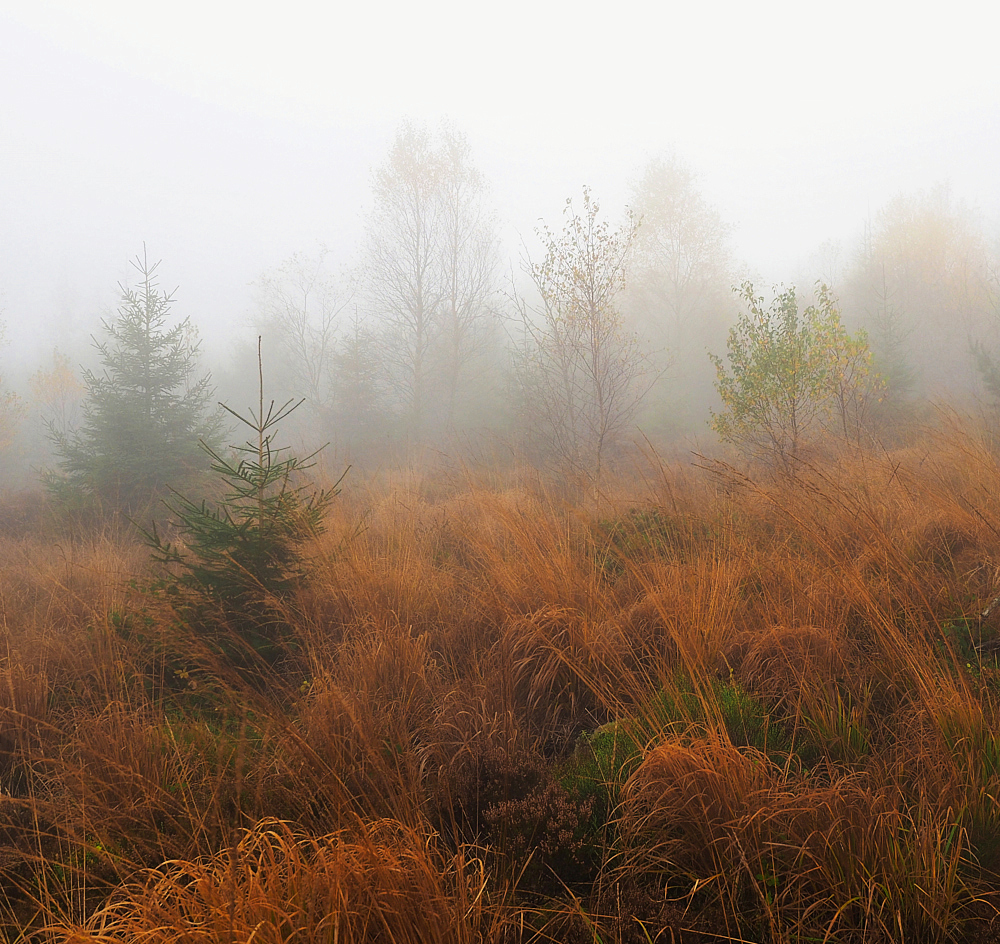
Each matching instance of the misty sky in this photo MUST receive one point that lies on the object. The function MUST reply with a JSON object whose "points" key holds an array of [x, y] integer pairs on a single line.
{"points": [[228, 136]]}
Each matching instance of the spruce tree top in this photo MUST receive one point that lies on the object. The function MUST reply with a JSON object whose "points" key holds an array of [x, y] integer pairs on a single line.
{"points": [[145, 412]]}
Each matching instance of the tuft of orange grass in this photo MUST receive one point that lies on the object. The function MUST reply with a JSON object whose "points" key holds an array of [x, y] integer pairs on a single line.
{"points": [[785, 664], [275, 885], [812, 858]]}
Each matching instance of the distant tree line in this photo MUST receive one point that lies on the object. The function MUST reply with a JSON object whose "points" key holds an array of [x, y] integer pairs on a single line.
{"points": [[601, 329]]}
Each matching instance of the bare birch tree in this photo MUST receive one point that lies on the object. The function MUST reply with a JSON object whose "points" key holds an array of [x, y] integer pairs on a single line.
{"points": [[682, 263], [581, 370], [300, 304], [431, 271], [402, 276], [469, 263]]}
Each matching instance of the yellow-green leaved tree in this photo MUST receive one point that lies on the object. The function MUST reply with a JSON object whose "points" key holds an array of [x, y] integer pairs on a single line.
{"points": [[791, 376]]}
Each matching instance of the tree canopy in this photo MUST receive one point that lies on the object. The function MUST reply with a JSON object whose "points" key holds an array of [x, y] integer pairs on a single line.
{"points": [[791, 374]]}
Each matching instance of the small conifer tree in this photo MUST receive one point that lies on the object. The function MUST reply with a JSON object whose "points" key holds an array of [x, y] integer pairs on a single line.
{"points": [[239, 558], [145, 413]]}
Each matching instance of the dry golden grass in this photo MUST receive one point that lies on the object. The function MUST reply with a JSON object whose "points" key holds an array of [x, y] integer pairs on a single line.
{"points": [[700, 705], [278, 886]]}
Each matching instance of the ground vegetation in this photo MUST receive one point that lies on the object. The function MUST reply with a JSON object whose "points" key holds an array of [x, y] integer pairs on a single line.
{"points": [[697, 706]]}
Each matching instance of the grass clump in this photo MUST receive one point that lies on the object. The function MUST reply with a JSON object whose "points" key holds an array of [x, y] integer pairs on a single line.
{"points": [[275, 884]]}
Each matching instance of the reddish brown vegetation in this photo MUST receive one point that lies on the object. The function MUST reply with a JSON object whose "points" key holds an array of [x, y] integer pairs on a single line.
{"points": [[717, 705]]}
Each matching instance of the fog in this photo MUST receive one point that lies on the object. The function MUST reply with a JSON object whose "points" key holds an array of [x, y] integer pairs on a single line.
{"points": [[229, 139]]}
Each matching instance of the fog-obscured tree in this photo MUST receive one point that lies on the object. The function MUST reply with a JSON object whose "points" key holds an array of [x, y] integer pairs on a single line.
{"points": [[430, 272], [469, 266], [682, 263], [582, 372], [145, 412], [300, 304], [401, 272], [890, 338], [989, 370], [679, 284], [985, 350], [11, 413], [357, 380], [790, 376], [56, 398], [918, 284]]}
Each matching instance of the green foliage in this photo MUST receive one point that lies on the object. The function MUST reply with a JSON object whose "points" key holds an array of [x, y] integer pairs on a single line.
{"points": [[240, 557], [145, 414], [602, 763], [607, 757], [790, 376], [835, 729], [682, 709], [648, 534]]}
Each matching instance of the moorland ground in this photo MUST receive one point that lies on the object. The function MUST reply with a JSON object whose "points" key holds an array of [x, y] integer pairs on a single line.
{"points": [[696, 704]]}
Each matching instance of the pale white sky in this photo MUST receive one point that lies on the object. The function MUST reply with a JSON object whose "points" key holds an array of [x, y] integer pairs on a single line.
{"points": [[228, 135]]}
